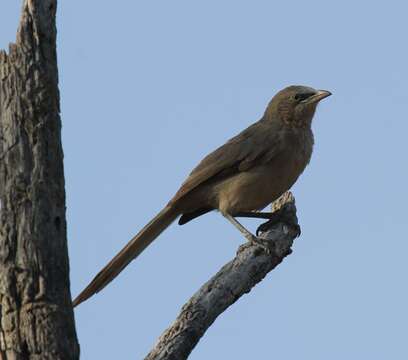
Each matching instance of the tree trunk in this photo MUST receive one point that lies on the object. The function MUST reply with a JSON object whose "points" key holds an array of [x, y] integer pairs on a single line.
{"points": [[37, 320]]}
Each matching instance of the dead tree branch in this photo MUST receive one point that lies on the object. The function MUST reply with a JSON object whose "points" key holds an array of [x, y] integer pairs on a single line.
{"points": [[251, 264]]}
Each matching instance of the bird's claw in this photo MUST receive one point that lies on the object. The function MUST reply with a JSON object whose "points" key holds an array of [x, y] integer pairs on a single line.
{"points": [[259, 242], [262, 228], [277, 217], [297, 229]]}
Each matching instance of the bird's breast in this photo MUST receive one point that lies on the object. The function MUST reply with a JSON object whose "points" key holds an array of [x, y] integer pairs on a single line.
{"points": [[261, 185]]}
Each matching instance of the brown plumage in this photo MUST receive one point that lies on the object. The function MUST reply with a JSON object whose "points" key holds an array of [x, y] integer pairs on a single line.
{"points": [[246, 174]]}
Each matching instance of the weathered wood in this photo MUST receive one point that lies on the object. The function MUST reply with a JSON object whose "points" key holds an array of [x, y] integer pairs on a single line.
{"points": [[251, 264], [36, 316]]}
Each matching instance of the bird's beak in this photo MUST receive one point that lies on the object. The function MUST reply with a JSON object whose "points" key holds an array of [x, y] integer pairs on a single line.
{"points": [[320, 95]]}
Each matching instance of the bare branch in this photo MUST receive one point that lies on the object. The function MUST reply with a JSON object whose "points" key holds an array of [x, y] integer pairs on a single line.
{"points": [[251, 264]]}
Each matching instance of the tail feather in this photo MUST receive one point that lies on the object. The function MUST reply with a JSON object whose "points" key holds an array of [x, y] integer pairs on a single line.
{"points": [[133, 248]]}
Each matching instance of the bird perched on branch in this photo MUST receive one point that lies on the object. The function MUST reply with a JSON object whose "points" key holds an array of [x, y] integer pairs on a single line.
{"points": [[241, 177]]}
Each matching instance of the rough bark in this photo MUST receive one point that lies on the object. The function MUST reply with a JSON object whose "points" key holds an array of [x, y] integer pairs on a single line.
{"points": [[251, 264], [36, 316]]}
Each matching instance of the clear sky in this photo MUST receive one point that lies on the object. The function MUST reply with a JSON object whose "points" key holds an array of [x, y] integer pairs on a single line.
{"points": [[150, 87]]}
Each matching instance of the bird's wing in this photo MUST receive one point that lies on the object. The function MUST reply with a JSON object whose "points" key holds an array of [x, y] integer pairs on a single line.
{"points": [[254, 145]]}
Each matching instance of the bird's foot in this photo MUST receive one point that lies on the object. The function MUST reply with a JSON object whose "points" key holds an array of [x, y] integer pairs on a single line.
{"points": [[252, 239], [279, 216]]}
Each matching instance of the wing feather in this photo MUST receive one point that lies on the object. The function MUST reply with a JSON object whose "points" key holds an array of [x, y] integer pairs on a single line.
{"points": [[253, 145]]}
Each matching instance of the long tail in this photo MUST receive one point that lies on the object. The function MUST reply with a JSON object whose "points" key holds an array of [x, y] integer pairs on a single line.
{"points": [[133, 248]]}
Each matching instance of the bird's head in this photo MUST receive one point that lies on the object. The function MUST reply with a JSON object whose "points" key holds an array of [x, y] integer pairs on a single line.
{"points": [[295, 105]]}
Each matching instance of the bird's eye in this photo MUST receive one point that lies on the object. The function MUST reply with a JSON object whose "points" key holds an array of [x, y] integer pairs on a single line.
{"points": [[302, 96]]}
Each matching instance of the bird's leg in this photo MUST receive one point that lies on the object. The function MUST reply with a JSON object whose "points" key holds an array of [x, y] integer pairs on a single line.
{"points": [[273, 217], [248, 235], [255, 214]]}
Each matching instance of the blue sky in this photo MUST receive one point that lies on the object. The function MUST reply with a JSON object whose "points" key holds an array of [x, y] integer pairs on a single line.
{"points": [[149, 88]]}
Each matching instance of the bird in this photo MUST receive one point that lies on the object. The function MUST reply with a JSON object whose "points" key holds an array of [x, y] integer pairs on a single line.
{"points": [[240, 178]]}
